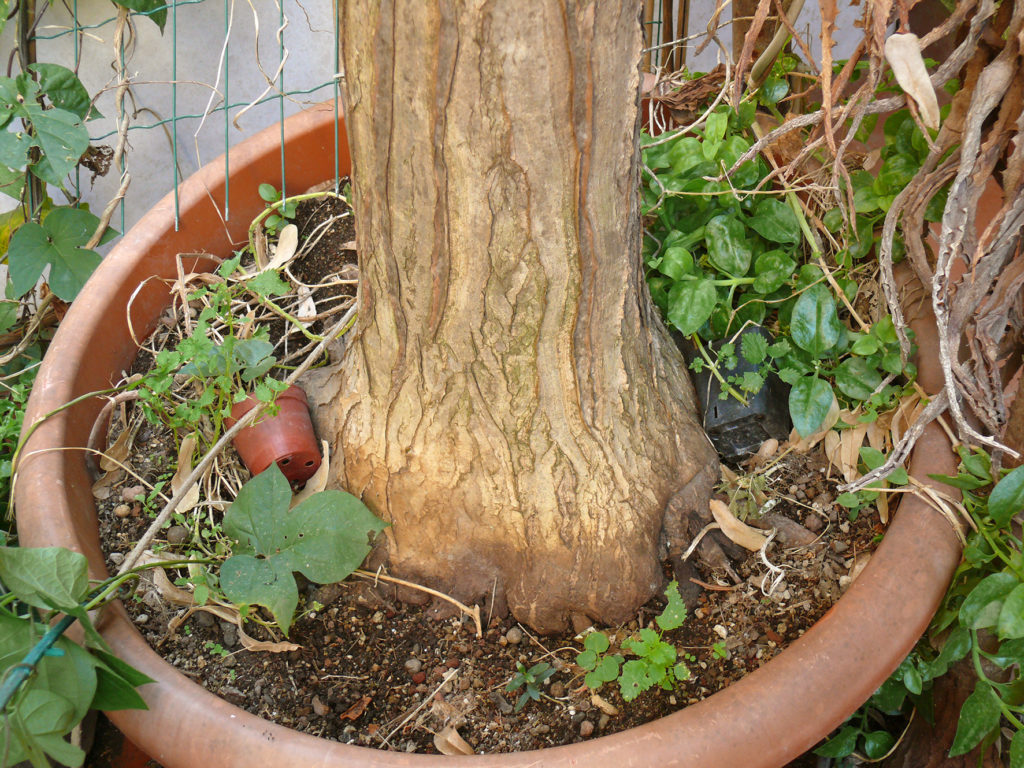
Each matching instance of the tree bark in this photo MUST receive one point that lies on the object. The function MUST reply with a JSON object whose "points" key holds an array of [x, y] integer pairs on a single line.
{"points": [[509, 401]]}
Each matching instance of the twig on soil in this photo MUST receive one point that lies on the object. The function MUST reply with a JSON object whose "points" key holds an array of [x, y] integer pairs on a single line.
{"points": [[473, 612]]}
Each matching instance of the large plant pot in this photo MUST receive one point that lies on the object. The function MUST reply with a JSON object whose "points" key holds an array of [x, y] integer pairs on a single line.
{"points": [[766, 719]]}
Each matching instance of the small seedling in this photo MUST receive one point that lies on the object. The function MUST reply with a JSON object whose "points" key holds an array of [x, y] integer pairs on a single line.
{"points": [[216, 649], [656, 662], [285, 212], [529, 679], [720, 650]]}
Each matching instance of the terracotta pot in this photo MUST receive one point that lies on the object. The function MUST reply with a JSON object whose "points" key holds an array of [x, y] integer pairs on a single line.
{"points": [[766, 719], [286, 437]]}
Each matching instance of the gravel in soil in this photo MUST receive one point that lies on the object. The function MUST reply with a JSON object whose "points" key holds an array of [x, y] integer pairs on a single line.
{"points": [[374, 671]]}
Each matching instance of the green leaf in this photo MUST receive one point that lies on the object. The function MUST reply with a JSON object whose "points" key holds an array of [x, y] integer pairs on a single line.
{"points": [[772, 270], [754, 348], [155, 9], [14, 147], [268, 582], [1009, 652], [55, 243], [840, 745], [268, 284], [65, 90], [122, 668], [71, 673], [775, 221], [1007, 498], [815, 326], [325, 538], [586, 659], [1011, 616], [979, 716], [269, 193], [714, 132], [727, 245], [865, 345], [878, 743], [62, 138], [857, 378], [1017, 750], [45, 577], [982, 606], [690, 303], [810, 400], [773, 90], [596, 642], [114, 692], [607, 669], [634, 679], [675, 612], [676, 262]]}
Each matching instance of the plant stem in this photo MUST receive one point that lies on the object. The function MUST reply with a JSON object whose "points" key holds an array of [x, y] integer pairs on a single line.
{"points": [[715, 372], [19, 673]]}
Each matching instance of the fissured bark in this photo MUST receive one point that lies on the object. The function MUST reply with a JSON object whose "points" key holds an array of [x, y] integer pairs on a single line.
{"points": [[509, 400]]}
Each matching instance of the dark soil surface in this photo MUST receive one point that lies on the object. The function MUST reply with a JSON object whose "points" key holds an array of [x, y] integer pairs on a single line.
{"points": [[371, 670]]}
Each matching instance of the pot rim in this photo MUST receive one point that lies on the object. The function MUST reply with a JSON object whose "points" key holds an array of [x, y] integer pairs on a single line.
{"points": [[769, 717]]}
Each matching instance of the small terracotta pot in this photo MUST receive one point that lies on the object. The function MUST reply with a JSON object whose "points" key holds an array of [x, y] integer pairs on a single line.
{"points": [[286, 437]]}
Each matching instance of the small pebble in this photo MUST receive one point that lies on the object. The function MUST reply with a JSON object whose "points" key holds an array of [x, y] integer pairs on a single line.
{"points": [[319, 707], [414, 665], [452, 663], [840, 546], [116, 558], [557, 690], [142, 618], [122, 510], [177, 534], [132, 492], [377, 617], [844, 526], [813, 523], [602, 722], [419, 677], [586, 728], [514, 635]]}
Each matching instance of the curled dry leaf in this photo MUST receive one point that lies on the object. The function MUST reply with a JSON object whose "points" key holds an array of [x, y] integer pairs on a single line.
{"points": [[287, 242], [903, 52], [115, 455], [191, 498], [605, 706], [101, 488], [737, 531], [357, 709], [318, 481], [448, 742], [306, 311], [230, 614], [166, 589]]}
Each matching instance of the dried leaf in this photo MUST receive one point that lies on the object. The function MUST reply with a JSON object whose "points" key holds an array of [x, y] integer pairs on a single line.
{"points": [[261, 645], [191, 498], [318, 481], [448, 741], [357, 709], [167, 590], [101, 488], [607, 707], [260, 241], [903, 52], [287, 242], [115, 455], [307, 307], [737, 531]]}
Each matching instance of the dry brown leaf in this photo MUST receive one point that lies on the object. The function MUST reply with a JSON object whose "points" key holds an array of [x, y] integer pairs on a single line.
{"points": [[167, 590], [447, 741], [115, 455], [903, 52], [849, 452], [260, 241], [101, 488], [737, 531], [287, 242], [191, 498], [605, 706], [263, 645], [318, 481], [357, 709]]}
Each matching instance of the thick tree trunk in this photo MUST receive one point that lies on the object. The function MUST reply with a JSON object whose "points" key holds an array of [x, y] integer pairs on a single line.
{"points": [[508, 400]]}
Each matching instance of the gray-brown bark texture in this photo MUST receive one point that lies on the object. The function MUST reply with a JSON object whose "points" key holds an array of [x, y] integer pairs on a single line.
{"points": [[508, 399]]}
